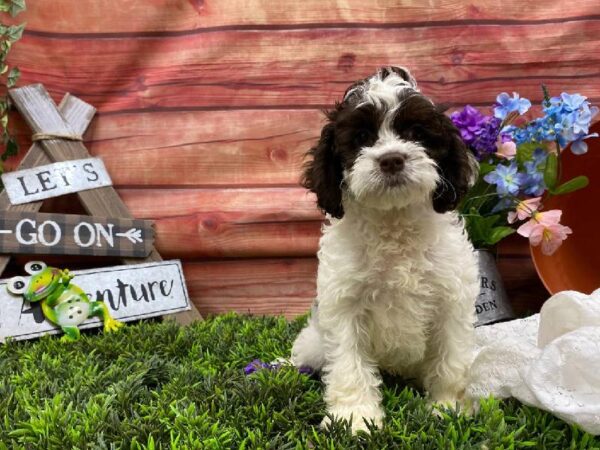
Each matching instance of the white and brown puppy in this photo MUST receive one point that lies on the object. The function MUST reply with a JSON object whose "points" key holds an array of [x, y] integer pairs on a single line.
{"points": [[397, 277]]}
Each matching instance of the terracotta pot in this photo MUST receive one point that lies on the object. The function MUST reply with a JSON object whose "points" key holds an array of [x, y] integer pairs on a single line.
{"points": [[576, 264]]}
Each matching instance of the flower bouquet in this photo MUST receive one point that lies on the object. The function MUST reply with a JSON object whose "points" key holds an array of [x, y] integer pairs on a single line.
{"points": [[520, 166]]}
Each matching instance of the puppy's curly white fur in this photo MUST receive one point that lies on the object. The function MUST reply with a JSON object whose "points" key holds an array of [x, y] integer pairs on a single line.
{"points": [[397, 276]]}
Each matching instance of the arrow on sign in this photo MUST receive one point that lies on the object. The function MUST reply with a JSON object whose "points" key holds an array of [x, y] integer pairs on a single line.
{"points": [[134, 235]]}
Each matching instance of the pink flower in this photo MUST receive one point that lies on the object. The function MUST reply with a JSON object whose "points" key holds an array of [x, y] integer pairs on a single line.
{"points": [[506, 150], [524, 209], [545, 229]]}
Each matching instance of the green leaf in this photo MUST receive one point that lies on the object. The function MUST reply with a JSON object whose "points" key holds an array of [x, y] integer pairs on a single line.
{"points": [[499, 233], [572, 185], [525, 152], [551, 171], [15, 32], [13, 76], [12, 148], [16, 7], [485, 168]]}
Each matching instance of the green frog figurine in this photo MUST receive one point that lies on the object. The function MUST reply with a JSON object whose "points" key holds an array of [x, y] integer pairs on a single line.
{"points": [[63, 303]]}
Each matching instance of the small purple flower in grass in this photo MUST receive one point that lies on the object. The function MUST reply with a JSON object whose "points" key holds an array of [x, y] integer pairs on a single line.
{"points": [[306, 370], [255, 365], [507, 104], [258, 364]]}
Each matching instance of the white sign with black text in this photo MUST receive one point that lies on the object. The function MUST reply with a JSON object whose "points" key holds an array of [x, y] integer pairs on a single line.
{"points": [[53, 180], [131, 292]]}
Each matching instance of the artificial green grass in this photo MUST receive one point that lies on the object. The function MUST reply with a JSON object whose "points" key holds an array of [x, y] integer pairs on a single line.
{"points": [[157, 385]]}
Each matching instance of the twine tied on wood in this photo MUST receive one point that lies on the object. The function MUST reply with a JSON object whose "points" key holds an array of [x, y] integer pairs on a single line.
{"points": [[47, 136]]}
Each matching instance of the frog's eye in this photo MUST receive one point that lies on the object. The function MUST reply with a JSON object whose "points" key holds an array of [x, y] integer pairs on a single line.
{"points": [[17, 285], [34, 267]]}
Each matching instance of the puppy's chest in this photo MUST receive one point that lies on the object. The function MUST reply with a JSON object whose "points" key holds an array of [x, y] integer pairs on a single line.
{"points": [[399, 298]]}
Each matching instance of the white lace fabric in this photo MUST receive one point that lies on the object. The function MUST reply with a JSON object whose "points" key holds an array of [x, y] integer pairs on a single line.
{"points": [[550, 360]]}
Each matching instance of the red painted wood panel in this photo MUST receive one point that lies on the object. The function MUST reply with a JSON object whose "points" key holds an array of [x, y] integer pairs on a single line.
{"points": [[206, 109], [104, 16], [312, 67]]}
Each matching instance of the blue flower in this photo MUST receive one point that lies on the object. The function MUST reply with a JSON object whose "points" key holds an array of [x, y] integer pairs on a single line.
{"points": [[571, 102], [578, 147], [566, 120], [533, 184], [507, 179], [507, 104], [581, 121], [539, 157]]}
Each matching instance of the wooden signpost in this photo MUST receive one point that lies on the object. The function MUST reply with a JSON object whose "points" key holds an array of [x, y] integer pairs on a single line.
{"points": [[72, 234], [58, 132], [52, 180]]}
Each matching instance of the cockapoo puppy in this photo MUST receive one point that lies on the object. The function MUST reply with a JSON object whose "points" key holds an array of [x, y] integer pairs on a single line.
{"points": [[397, 277]]}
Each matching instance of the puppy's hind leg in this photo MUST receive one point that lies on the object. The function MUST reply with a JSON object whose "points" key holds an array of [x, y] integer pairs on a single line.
{"points": [[307, 350]]}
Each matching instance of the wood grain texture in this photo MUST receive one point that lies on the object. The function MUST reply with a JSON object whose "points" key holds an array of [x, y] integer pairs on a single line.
{"points": [[312, 67], [273, 286], [200, 148], [151, 16], [261, 204], [217, 223]]}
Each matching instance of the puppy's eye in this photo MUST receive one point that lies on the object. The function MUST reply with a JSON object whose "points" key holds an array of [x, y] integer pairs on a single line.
{"points": [[362, 137], [417, 133]]}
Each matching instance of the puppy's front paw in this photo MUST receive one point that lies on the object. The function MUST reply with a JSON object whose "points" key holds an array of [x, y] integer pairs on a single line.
{"points": [[457, 403], [358, 415]]}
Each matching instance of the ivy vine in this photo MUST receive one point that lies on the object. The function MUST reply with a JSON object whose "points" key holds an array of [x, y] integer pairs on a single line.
{"points": [[9, 34]]}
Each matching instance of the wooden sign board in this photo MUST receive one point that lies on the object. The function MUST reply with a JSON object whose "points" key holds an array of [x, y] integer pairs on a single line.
{"points": [[53, 180], [131, 292], [72, 234]]}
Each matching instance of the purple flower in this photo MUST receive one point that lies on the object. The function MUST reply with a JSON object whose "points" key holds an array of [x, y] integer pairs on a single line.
{"points": [[259, 364], [306, 370], [468, 121], [255, 365], [507, 104], [478, 131]]}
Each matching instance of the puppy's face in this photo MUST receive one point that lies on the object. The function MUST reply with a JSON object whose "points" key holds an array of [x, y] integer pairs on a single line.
{"points": [[388, 146]]}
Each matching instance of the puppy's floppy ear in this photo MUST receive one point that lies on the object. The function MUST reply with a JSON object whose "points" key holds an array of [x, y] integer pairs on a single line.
{"points": [[458, 169], [323, 174]]}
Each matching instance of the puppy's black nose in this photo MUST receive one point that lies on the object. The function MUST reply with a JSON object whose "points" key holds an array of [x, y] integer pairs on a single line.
{"points": [[391, 164]]}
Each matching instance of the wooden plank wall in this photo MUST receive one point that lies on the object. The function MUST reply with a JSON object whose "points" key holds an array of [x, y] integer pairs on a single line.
{"points": [[206, 108]]}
